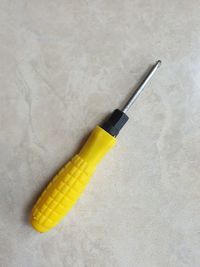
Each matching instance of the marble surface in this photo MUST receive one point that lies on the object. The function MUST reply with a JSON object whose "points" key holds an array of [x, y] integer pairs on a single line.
{"points": [[64, 65]]}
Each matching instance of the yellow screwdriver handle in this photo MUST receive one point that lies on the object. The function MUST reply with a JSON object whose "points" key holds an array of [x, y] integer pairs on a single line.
{"points": [[66, 187]]}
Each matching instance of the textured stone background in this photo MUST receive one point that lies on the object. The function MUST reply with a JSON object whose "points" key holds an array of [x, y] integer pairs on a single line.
{"points": [[63, 66]]}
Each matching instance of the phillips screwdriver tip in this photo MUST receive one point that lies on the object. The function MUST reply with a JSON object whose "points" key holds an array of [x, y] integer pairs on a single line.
{"points": [[158, 63]]}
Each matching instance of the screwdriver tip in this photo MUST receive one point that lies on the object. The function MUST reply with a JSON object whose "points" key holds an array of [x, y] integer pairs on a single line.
{"points": [[158, 63]]}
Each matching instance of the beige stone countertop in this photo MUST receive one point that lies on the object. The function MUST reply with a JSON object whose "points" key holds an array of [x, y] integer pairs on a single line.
{"points": [[64, 65]]}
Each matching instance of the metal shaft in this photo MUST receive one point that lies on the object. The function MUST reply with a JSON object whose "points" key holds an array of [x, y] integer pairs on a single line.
{"points": [[141, 87]]}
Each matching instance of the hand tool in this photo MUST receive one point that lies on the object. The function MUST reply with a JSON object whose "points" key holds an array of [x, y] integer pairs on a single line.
{"points": [[66, 187]]}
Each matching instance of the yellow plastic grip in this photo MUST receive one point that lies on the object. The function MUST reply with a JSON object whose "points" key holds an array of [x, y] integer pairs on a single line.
{"points": [[66, 187]]}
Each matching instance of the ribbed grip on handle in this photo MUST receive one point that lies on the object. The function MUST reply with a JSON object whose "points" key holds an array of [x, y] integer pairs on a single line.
{"points": [[61, 194], [66, 187]]}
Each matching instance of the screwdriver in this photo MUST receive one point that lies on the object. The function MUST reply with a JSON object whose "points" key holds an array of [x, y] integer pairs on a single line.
{"points": [[66, 187]]}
